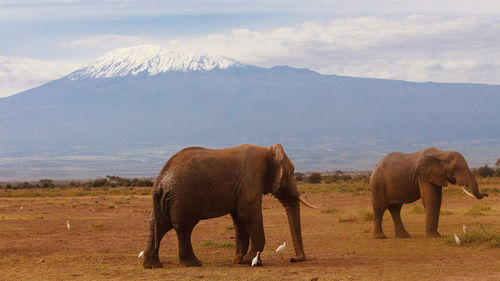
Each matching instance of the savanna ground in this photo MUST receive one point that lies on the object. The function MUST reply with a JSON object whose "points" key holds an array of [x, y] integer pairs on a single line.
{"points": [[109, 227]]}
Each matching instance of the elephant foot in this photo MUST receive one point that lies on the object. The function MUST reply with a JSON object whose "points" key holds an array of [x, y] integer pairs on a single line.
{"points": [[238, 259], [298, 259], [153, 264], [433, 234], [247, 259], [402, 235], [190, 262], [379, 235]]}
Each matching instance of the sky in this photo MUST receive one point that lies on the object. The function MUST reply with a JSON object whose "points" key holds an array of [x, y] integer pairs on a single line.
{"points": [[418, 40]]}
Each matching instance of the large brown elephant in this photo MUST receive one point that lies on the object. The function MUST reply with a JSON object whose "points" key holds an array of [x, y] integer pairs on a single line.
{"points": [[404, 178], [199, 183]]}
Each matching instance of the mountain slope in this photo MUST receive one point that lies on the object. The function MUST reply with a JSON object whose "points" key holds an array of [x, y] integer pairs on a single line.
{"points": [[132, 123]]}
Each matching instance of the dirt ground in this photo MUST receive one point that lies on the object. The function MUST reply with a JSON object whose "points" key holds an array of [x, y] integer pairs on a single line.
{"points": [[108, 232]]}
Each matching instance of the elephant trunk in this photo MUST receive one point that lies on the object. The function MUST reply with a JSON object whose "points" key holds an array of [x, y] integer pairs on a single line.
{"points": [[292, 207], [470, 182]]}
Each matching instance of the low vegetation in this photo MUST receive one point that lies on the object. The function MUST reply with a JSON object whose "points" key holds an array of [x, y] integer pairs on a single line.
{"points": [[476, 236], [223, 244], [478, 210]]}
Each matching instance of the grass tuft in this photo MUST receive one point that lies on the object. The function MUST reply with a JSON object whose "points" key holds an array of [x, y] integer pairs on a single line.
{"points": [[97, 225], [366, 214], [330, 211], [347, 218], [211, 244], [417, 209], [476, 236], [478, 210]]}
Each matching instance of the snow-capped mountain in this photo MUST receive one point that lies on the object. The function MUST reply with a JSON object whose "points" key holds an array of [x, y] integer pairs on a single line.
{"points": [[149, 60], [120, 118]]}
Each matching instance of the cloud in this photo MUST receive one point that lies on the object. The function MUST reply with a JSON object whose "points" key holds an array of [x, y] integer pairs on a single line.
{"points": [[19, 74], [415, 48], [105, 41]]}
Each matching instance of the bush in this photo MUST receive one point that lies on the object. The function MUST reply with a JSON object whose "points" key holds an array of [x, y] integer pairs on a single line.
{"points": [[46, 183], [314, 178], [99, 182], [477, 210], [299, 176], [476, 236], [484, 171]]}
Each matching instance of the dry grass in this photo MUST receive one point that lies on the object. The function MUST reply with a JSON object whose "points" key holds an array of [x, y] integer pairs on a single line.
{"points": [[103, 242]]}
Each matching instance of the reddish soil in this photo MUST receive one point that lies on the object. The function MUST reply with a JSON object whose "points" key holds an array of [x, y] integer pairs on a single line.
{"points": [[107, 233]]}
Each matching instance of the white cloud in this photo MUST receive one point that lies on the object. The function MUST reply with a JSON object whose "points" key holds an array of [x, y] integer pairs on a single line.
{"points": [[415, 48], [19, 74], [106, 41]]}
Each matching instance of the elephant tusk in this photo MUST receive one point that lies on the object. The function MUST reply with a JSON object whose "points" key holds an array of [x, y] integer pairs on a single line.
{"points": [[303, 201], [468, 193]]}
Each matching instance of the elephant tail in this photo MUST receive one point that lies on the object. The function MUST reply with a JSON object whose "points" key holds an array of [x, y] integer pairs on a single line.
{"points": [[159, 213]]}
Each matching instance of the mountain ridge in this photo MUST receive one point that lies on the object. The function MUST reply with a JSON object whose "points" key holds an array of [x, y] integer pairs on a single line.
{"points": [[130, 125], [149, 60]]}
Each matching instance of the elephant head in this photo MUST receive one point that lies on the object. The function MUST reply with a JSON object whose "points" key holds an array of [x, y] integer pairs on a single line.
{"points": [[440, 167], [284, 187]]}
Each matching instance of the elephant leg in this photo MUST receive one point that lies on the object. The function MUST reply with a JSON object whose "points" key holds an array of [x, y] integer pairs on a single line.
{"points": [[255, 228], [399, 229], [151, 253], [378, 215], [186, 254], [242, 240], [431, 198]]}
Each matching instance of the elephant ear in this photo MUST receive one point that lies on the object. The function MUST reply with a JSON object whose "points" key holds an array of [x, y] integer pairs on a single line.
{"points": [[278, 154], [431, 169]]}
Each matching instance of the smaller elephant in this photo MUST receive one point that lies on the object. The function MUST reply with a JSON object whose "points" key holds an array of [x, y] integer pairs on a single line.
{"points": [[404, 178]]}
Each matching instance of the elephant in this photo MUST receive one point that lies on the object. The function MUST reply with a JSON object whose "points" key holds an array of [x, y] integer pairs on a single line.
{"points": [[199, 183], [404, 178]]}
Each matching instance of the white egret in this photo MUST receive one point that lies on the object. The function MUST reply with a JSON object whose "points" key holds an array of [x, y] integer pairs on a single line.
{"points": [[256, 259], [281, 248], [457, 240], [141, 254], [67, 225], [464, 229]]}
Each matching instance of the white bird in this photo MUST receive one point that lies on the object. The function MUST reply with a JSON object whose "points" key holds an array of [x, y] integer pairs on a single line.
{"points": [[464, 229], [457, 240], [256, 259], [21, 208], [281, 248], [67, 225], [141, 254]]}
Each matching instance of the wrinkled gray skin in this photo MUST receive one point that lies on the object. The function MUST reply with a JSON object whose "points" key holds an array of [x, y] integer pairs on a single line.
{"points": [[198, 183], [404, 178]]}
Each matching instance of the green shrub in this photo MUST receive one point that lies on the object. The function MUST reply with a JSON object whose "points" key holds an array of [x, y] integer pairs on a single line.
{"points": [[477, 210], [299, 176], [476, 236], [417, 209], [211, 244], [445, 212], [314, 178], [484, 171]]}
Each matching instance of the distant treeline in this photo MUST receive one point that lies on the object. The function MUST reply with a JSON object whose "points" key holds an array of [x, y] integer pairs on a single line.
{"points": [[108, 181], [329, 177], [315, 177], [309, 177]]}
